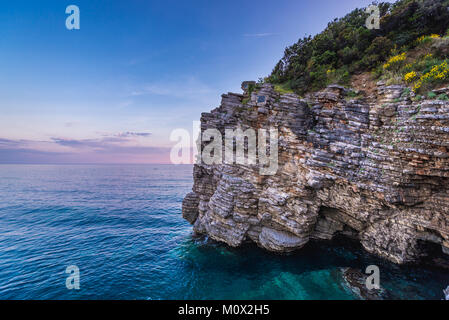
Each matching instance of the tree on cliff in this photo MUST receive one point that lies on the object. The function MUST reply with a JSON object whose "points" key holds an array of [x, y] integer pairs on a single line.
{"points": [[347, 47]]}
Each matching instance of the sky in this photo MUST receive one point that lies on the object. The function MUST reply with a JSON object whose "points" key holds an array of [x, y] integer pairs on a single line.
{"points": [[114, 90]]}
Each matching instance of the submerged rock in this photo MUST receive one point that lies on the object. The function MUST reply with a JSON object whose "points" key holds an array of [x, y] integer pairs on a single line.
{"points": [[376, 170], [356, 282]]}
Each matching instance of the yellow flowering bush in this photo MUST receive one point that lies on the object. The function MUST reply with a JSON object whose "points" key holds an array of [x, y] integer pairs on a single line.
{"points": [[395, 60], [422, 69], [408, 67], [417, 86], [428, 38], [437, 73], [421, 39], [409, 77]]}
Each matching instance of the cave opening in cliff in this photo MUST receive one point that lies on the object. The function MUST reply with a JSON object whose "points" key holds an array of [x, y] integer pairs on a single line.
{"points": [[431, 252], [332, 222]]}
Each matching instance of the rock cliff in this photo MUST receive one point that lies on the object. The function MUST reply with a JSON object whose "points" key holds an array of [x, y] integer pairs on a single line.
{"points": [[374, 169]]}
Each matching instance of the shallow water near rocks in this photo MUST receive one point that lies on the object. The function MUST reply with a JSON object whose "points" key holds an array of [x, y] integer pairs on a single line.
{"points": [[122, 226]]}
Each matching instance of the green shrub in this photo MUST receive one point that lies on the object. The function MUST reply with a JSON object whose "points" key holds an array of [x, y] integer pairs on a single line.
{"points": [[406, 93], [351, 94], [431, 95]]}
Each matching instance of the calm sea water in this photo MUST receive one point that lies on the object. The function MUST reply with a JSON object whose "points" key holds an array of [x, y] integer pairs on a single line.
{"points": [[122, 226]]}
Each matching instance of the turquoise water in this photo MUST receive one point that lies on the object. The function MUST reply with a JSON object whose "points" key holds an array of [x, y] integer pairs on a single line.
{"points": [[122, 226]]}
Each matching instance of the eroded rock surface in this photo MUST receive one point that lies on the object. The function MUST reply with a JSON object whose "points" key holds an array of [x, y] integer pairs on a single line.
{"points": [[375, 169]]}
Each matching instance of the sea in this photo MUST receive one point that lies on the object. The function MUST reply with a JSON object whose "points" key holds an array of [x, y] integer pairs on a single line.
{"points": [[121, 226]]}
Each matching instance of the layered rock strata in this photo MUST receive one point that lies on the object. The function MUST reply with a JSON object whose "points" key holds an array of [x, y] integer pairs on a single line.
{"points": [[374, 169]]}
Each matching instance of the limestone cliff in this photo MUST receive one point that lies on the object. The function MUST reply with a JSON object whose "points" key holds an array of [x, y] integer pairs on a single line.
{"points": [[375, 169]]}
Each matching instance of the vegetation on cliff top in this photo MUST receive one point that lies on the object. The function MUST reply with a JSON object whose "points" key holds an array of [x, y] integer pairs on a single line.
{"points": [[411, 47]]}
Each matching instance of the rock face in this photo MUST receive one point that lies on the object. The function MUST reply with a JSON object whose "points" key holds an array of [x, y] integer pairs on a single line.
{"points": [[375, 169]]}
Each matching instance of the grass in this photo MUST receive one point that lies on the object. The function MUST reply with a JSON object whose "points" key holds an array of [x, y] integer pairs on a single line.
{"points": [[431, 95], [283, 88], [406, 93], [443, 97], [353, 95]]}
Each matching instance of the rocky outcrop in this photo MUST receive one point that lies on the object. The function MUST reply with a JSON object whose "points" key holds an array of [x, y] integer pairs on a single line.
{"points": [[375, 169]]}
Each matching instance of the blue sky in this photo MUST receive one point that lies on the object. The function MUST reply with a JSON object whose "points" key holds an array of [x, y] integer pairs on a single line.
{"points": [[114, 90]]}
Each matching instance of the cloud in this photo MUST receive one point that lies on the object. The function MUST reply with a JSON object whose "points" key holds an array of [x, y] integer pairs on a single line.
{"points": [[120, 155], [70, 124], [125, 104], [134, 134], [8, 143], [69, 142], [27, 156], [124, 147], [19, 144], [123, 139], [183, 87], [259, 35]]}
